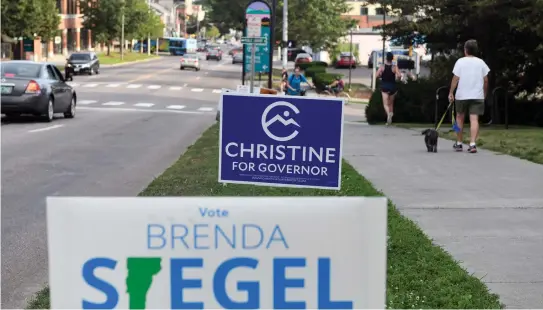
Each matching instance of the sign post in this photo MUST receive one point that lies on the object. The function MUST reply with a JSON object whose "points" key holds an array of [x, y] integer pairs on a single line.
{"points": [[253, 42], [217, 253], [258, 23]]}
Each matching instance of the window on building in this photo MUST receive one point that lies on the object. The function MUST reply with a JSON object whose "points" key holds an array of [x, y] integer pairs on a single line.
{"points": [[363, 11], [379, 11], [72, 7]]}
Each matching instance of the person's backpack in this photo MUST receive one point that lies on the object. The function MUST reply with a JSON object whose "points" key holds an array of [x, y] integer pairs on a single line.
{"points": [[290, 79]]}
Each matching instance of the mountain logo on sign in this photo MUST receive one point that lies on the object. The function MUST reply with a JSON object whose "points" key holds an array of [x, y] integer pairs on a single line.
{"points": [[278, 118]]}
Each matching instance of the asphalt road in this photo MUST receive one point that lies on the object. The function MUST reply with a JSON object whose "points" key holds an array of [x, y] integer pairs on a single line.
{"points": [[132, 122]]}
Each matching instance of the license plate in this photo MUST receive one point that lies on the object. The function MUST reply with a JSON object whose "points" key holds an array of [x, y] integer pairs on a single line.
{"points": [[6, 90], [76, 69]]}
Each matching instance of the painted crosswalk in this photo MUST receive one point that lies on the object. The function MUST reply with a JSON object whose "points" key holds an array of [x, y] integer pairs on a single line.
{"points": [[117, 85], [145, 106]]}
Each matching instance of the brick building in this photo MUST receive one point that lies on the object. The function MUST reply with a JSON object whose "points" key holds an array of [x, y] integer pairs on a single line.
{"points": [[72, 36]]}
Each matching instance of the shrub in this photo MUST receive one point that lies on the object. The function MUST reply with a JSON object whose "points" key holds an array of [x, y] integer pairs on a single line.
{"points": [[306, 65], [415, 103], [311, 71], [322, 79]]}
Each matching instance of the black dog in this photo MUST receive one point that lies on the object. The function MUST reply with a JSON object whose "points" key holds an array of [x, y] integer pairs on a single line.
{"points": [[430, 138]]}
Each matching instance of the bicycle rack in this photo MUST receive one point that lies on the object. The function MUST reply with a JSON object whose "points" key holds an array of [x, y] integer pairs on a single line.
{"points": [[436, 110], [495, 107]]}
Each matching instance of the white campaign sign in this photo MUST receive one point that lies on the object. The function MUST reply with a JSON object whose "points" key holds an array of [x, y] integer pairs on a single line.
{"points": [[246, 89], [208, 253]]}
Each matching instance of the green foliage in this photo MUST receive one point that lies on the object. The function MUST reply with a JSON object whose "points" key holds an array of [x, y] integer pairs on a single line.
{"points": [[103, 18], [305, 65], [321, 80], [27, 18], [509, 33], [317, 23], [212, 32], [313, 70]]}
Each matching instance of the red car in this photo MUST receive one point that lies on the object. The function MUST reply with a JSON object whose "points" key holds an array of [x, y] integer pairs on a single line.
{"points": [[345, 61], [303, 58]]}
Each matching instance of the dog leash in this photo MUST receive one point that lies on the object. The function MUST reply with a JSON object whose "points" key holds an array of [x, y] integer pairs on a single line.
{"points": [[444, 114]]}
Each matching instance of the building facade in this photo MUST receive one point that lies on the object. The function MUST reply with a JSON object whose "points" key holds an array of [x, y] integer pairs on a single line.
{"points": [[72, 35], [369, 15]]}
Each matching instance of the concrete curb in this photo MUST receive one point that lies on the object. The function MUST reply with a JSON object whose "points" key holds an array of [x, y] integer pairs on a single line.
{"points": [[130, 62]]}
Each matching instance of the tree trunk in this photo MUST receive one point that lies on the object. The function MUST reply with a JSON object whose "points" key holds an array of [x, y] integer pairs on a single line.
{"points": [[108, 48], [141, 46]]}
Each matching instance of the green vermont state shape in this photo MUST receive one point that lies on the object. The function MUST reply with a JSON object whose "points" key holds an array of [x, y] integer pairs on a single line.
{"points": [[141, 271]]}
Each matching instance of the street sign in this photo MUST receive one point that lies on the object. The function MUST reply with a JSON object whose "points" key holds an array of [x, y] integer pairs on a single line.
{"points": [[281, 141], [254, 25], [217, 253], [254, 40]]}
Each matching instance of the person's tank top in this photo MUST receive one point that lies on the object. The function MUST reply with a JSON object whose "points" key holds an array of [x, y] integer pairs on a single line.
{"points": [[388, 75]]}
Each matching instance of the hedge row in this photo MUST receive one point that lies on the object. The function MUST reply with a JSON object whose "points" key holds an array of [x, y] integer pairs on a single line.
{"points": [[316, 70], [416, 103]]}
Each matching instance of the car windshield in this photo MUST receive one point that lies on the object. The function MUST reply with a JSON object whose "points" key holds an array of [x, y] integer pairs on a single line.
{"points": [[191, 56], [80, 57], [303, 56], [25, 70]]}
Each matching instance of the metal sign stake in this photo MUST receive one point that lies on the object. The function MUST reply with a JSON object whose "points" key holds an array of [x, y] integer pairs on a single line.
{"points": [[253, 55]]}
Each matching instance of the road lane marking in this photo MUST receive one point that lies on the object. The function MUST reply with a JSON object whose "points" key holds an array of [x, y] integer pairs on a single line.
{"points": [[217, 91], [112, 85], [91, 85], [141, 110], [134, 86], [113, 103], [175, 107], [73, 84], [206, 73], [154, 86], [198, 90], [144, 105], [46, 128], [185, 85], [176, 88], [197, 77], [205, 109], [147, 76], [86, 101]]}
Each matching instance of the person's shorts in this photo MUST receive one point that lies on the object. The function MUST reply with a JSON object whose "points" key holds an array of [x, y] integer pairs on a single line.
{"points": [[389, 89], [336, 90], [470, 106]]}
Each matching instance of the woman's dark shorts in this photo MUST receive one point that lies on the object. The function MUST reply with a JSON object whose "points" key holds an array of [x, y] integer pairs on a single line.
{"points": [[389, 88]]}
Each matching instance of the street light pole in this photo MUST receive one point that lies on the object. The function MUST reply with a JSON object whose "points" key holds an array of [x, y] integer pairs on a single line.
{"points": [[285, 33], [351, 58], [383, 5], [149, 34], [122, 36]]}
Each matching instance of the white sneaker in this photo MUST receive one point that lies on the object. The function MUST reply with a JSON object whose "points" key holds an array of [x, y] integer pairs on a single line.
{"points": [[389, 118]]}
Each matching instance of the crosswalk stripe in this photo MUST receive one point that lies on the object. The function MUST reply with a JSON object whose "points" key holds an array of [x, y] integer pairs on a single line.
{"points": [[205, 109], [91, 85], [112, 85], [73, 84], [176, 88], [217, 91], [134, 86], [197, 90], [86, 101], [175, 107], [154, 86], [143, 104], [113, 103]]}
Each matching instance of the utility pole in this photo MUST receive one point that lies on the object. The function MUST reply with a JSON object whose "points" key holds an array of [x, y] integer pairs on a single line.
{"points": [[285, 33], [122, 36], [383, 5], [351, 58], [149, 34]]}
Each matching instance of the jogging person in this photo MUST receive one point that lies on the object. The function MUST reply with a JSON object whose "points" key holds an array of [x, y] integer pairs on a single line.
{"points": [[337, 86], [389, 73], [294, 83], [471, 83]]}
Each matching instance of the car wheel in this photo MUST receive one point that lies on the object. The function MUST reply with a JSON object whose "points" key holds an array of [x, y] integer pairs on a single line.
{"points": [[181, 68], [97, 71], [70, 113], [91, 71], [50, 113], [207, 58]]}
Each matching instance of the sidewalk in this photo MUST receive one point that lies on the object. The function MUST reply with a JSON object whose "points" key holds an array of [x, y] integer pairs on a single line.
{"points": [[485, 209]]}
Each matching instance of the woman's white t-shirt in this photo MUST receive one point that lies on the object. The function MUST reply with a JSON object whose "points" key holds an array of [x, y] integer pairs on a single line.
{"points": [[471, 71]]}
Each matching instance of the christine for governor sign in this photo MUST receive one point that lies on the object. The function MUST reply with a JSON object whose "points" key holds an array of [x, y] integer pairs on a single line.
{"points": [[210, 253], [281, 140]]}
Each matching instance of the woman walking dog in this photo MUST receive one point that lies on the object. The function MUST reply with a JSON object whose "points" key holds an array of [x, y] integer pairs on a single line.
{"points": [[389, 73]]}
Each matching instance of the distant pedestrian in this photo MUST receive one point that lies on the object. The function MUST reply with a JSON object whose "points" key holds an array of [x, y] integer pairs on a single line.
{"points": [[284, 80], [389, 73], [471, 83]]}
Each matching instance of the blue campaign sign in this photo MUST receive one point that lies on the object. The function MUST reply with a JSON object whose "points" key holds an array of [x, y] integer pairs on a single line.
{"points": [[262, 54], [281, 141]]}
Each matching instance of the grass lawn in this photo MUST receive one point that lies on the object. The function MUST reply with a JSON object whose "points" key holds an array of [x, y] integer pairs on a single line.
{"points": [[420, 275], [115, 57], [518, 141]]}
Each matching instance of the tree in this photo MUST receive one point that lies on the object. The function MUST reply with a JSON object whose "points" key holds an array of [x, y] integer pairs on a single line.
{"points": [[103, 18], [212, 32], [19, 17], [509, 34], [49, 20], [316, 22]]}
